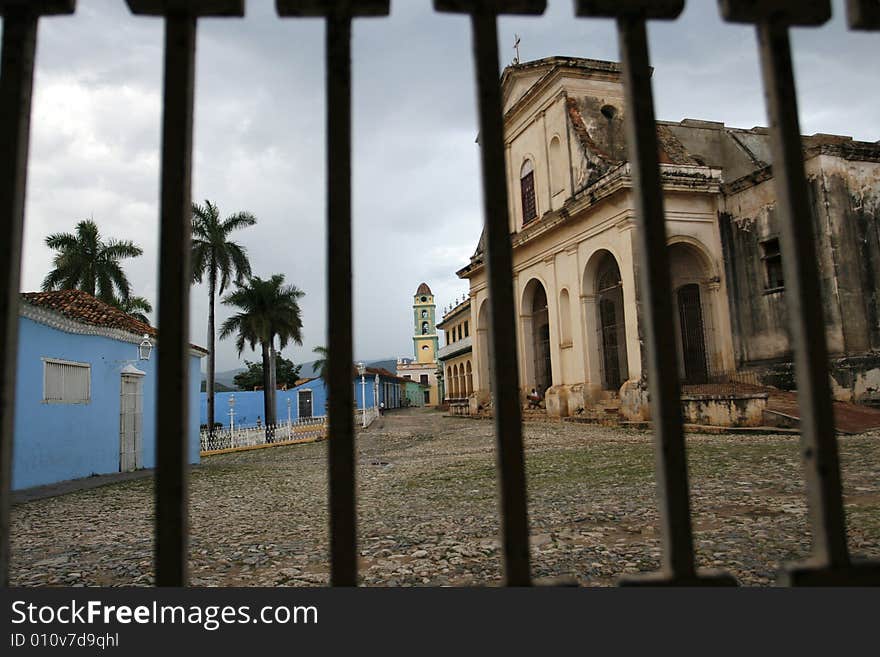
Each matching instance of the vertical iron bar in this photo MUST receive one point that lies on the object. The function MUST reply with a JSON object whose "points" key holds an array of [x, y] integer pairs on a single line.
{"points": [[343, 511], [172, 423], [16, 87], [804, 301], [663, 385], [499, 265]]}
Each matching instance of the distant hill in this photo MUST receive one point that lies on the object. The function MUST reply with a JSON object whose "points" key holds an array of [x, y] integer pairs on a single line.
{"points": [[225, 379], [218, 386], [389, 364]]}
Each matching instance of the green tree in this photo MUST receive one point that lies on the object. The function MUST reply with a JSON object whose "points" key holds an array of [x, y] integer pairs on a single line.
{"points": [[252, 377], [136, 307], [84, 261], [269, 310], [219, 260], [320, 365]]}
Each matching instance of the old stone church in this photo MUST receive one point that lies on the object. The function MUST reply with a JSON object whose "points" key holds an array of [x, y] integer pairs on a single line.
{"points": [[572, 222]]}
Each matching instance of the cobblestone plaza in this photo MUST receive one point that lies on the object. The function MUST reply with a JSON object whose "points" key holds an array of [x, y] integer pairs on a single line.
{"points": [[428, 510]]}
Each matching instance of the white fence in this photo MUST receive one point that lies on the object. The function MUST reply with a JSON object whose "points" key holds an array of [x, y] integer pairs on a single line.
{"points": [[371, 414], [301, 430]]}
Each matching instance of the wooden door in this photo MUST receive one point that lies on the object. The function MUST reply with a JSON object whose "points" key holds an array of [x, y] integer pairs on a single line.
{"points": [[131, 423]]}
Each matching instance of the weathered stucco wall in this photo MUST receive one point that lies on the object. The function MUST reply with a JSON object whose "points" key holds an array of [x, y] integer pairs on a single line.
{"points": [[724, 410], [845, 198]]}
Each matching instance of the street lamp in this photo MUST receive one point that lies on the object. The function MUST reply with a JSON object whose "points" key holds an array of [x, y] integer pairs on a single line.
{"points": [[361, 369], [145, 348], [376, 394], [232, 420]]}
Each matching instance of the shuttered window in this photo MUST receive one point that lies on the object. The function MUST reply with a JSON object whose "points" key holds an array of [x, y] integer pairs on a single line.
{"points": [[65, 382], [527, 187]]}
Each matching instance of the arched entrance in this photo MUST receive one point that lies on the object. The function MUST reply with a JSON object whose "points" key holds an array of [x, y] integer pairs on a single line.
{"points": [[483, 350], [536, 333], [611, 323], [694, 285], [693, 338]]}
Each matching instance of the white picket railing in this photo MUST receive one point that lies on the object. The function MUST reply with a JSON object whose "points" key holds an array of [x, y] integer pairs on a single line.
{"points": [[301, 430], [371, 414]]}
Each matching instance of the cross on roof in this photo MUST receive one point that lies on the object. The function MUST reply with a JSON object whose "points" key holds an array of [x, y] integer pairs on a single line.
{"points": [[516, 47]]}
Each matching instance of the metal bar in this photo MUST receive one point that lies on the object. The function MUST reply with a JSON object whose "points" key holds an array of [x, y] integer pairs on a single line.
{"points": [[16, 85], [175, 233], [16, 88], [657, 309], [172, 424], [806, 316], [343, 510], [830, 563], [341, 456], [863, 14], [502, 318]]}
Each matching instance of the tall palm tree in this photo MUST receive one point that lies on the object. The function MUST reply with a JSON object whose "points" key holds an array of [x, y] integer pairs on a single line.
{"points": [[269, 311], [136, 307], [221, 261], [89, 263], [320, 365]]}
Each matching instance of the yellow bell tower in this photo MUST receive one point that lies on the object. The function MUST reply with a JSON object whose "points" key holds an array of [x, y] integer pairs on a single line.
{"points": [[425, 340]]}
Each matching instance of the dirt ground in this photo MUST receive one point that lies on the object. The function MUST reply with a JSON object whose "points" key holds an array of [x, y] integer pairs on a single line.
{"points": [[428, 511]]}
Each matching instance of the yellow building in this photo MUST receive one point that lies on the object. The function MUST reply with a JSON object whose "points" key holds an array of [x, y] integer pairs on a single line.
{"points": [[423, 366], [575, 255], [456, 356]]}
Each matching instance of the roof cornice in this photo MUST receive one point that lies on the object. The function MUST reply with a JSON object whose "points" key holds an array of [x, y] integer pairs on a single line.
{"points": [[61, 322]]}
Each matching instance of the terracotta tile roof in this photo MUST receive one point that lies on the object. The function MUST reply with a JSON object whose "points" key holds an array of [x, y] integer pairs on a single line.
{"points": [[84, 308], [424, 289]]}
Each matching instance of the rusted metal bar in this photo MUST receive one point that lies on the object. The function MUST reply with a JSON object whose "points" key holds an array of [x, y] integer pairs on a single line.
{"points": [[863, 14], [830, 563], [172, 390], [499, 265], [657, 311], [16, 86], [338, 15]]}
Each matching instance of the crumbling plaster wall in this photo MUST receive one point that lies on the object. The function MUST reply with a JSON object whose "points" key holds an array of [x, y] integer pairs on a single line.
{"points": [[845, 198]]}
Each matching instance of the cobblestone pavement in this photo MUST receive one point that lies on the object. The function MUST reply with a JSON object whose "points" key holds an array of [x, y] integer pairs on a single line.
{"points": [[428, 512]]}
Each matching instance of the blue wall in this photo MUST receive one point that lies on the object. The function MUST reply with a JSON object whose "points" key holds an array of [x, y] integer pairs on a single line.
{"points": [[249, 404], [56, 442]]}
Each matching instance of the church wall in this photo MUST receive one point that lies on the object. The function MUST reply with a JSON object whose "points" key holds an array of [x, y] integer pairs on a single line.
{"points": [[845, 198], [530, 136], [564, 259]]}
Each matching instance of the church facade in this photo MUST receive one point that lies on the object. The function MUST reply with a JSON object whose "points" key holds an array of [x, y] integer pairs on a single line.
{"points": [[576, 280], [422, 368]]}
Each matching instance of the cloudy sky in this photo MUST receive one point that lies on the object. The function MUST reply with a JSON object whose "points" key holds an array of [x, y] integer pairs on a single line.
{"points": [[259, 137]]}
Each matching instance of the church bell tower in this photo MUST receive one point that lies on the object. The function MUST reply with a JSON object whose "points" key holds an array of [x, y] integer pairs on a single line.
{"points": [[425, 341]]}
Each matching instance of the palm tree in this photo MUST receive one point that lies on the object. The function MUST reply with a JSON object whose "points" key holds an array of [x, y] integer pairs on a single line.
{"points": [[320, 365], [136, 307], [269, 311], [221, 261], [86, 262]]}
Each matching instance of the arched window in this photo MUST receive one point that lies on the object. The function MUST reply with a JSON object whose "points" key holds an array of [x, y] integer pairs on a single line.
{"points": [[564, 317], [424, 328], [424, 314], [527, 188], [557, 167]]}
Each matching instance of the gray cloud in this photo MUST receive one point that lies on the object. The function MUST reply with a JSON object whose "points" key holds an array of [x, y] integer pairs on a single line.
{"points": [[260, 135]]}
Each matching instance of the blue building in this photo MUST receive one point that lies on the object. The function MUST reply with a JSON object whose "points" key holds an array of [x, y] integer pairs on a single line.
{"points": [[307, 399], [85, 401]]}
